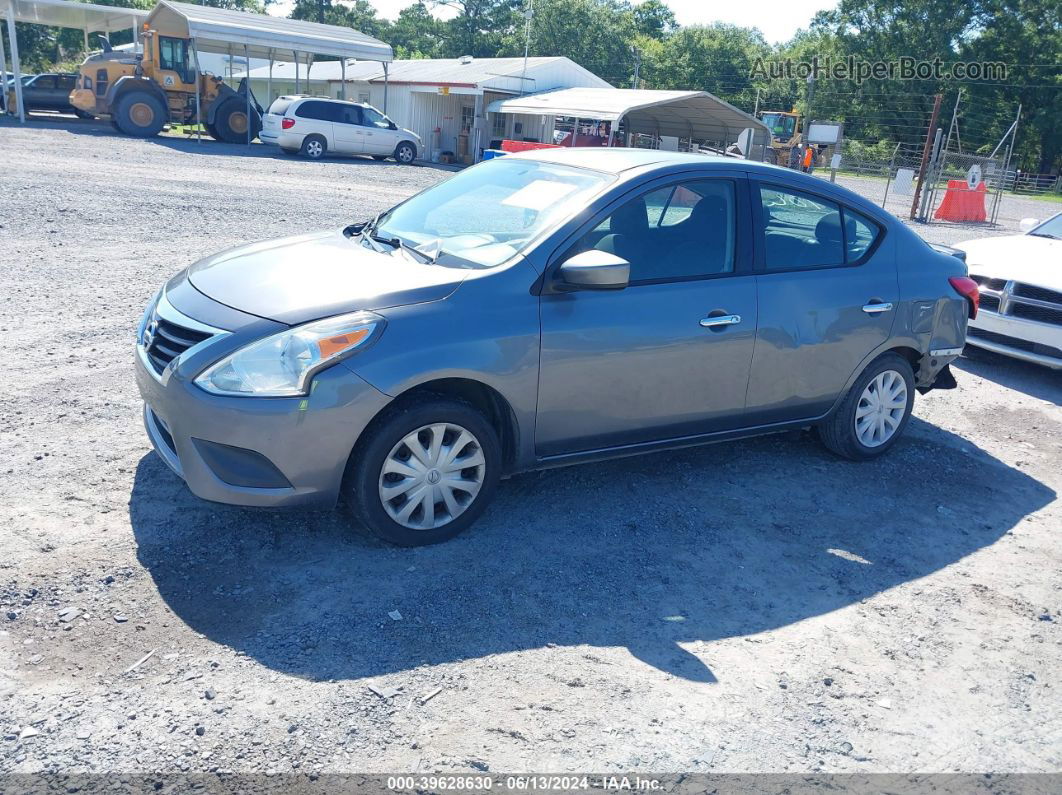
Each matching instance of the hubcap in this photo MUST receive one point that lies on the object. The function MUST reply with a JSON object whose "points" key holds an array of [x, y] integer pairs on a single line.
{"points": [[238, 122], [881, 408], [405, 154], [313, 148], [432, 476], [142, 114]]}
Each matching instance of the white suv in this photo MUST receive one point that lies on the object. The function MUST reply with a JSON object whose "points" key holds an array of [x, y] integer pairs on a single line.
{"points": [[315, 126]]}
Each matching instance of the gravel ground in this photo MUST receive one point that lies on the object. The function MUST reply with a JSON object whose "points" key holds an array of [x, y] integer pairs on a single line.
{"points": [[758, 606]]}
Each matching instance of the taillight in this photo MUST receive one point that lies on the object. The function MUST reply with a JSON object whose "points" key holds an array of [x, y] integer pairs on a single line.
{"points": [[967, 288], [287, 124]]}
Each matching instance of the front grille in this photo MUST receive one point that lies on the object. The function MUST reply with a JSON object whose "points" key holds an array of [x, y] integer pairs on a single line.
{"points": [[171, 341], [1040, 314], [990, 302], [1014, 342], [1039, 293], [991, 284]]}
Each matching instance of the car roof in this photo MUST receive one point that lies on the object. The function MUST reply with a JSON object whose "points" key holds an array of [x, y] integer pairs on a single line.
{"points": [[618, 159]]}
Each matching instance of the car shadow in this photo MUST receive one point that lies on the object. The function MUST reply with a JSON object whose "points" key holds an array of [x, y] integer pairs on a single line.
{"points": [[659, 554], [1032, 379]]}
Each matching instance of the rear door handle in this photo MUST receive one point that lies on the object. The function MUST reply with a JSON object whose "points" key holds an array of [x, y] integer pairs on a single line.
{"points": [[720, 320], [876, 309]]}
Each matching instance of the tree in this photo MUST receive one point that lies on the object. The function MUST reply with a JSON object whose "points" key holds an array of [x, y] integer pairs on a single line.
{"points": [[416, 33], [596, 34], [654, 19], [357, 14], [479, 27]]}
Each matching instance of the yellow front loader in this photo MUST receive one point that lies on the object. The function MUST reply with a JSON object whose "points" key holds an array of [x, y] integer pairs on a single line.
{"points": [[142, 92]]}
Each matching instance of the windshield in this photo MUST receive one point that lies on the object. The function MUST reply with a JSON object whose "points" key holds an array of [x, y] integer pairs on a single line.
{"points": [[1052, 227], [487, 214], [780, 125]]}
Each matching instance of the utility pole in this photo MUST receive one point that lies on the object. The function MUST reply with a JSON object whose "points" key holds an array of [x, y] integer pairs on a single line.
{"points": [[807, 109], [529, 12], [925, 154], [637, 66], [756, 111]]}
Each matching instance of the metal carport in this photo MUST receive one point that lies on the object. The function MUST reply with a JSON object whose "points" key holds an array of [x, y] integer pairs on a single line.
{"points": [[697, 115], [218, 30], [210, 30], [61, 14]]}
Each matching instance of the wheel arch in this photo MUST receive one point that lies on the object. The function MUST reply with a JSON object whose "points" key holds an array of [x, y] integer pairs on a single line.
{"points": [[905, 348], [123, 85], [485, 398]]}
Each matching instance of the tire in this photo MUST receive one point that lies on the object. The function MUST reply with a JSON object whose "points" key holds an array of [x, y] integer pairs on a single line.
{"points": [[140, 114], [405, 153], [379, 157], [314, 147], [889, 374], [230, 121], [212, 131], [465, 431]]}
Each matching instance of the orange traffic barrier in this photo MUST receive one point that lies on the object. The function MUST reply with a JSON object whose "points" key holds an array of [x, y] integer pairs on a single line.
{"points": [[961, 203]]}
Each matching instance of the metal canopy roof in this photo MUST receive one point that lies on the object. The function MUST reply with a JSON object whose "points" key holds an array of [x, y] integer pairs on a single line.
{"points": [[220, 30], [683, 114], [66, 14]]}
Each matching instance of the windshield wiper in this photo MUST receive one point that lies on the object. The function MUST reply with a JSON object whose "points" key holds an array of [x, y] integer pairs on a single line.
{"points": [[396, 243], [1045, 234]]}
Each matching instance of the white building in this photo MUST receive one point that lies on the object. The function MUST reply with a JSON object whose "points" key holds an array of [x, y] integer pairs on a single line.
{"points": [[442, 100]]}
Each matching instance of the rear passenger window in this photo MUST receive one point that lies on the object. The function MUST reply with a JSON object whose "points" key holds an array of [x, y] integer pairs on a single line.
{"points": [[322, 111], [859, 234], [800, 231]]}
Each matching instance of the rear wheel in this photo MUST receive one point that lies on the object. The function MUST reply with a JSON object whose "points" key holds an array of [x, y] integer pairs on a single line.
{"points": [[314, 147], [230, 122], [405, 153], [875, 411], [140, 114], [424, 473]]}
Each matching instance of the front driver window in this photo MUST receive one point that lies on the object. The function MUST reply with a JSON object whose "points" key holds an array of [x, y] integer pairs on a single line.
{"points": [[373, 118], [681, 231], [173, 56]]}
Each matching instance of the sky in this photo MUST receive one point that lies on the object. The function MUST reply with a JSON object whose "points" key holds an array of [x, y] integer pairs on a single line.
{"points": [[777, 19]]}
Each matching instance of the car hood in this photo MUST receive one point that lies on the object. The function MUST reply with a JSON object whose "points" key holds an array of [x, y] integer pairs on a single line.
{"points": [[298, 279], [1023, 258]]}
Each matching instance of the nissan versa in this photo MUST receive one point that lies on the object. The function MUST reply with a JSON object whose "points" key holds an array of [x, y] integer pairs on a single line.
{"points": [[537, 310]]}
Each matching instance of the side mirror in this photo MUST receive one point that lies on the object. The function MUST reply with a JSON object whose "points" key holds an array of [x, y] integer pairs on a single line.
{"points": [[1028, 224], [391, 125], [593, 270]]}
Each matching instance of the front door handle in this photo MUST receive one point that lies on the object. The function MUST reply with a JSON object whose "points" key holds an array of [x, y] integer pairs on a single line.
{"points": [[876, 309], [720, 320]]}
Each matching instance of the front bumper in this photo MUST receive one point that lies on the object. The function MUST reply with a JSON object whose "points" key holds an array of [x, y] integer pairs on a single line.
{"points": [[263, 452], [1028, 340]]}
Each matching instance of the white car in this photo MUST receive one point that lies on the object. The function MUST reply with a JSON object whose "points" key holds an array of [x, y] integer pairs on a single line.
{"points": [[316, 126], [1020, 278]]}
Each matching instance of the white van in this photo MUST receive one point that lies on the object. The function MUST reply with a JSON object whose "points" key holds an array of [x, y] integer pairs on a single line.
{"points": [[316, 126]]}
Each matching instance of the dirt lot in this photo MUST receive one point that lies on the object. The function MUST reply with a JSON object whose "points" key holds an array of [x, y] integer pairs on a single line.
{"points": [[758, 606]]}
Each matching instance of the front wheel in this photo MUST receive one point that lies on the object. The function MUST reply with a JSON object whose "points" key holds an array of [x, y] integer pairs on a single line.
{"points": [[424, 473], [230, 122], [875, 411]]}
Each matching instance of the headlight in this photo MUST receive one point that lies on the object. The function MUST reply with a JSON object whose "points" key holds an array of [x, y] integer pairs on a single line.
{"points": [[283, 364]]}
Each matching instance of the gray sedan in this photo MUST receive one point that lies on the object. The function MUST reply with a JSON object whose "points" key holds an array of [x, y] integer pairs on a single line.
{"points": [[541, 310]]}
